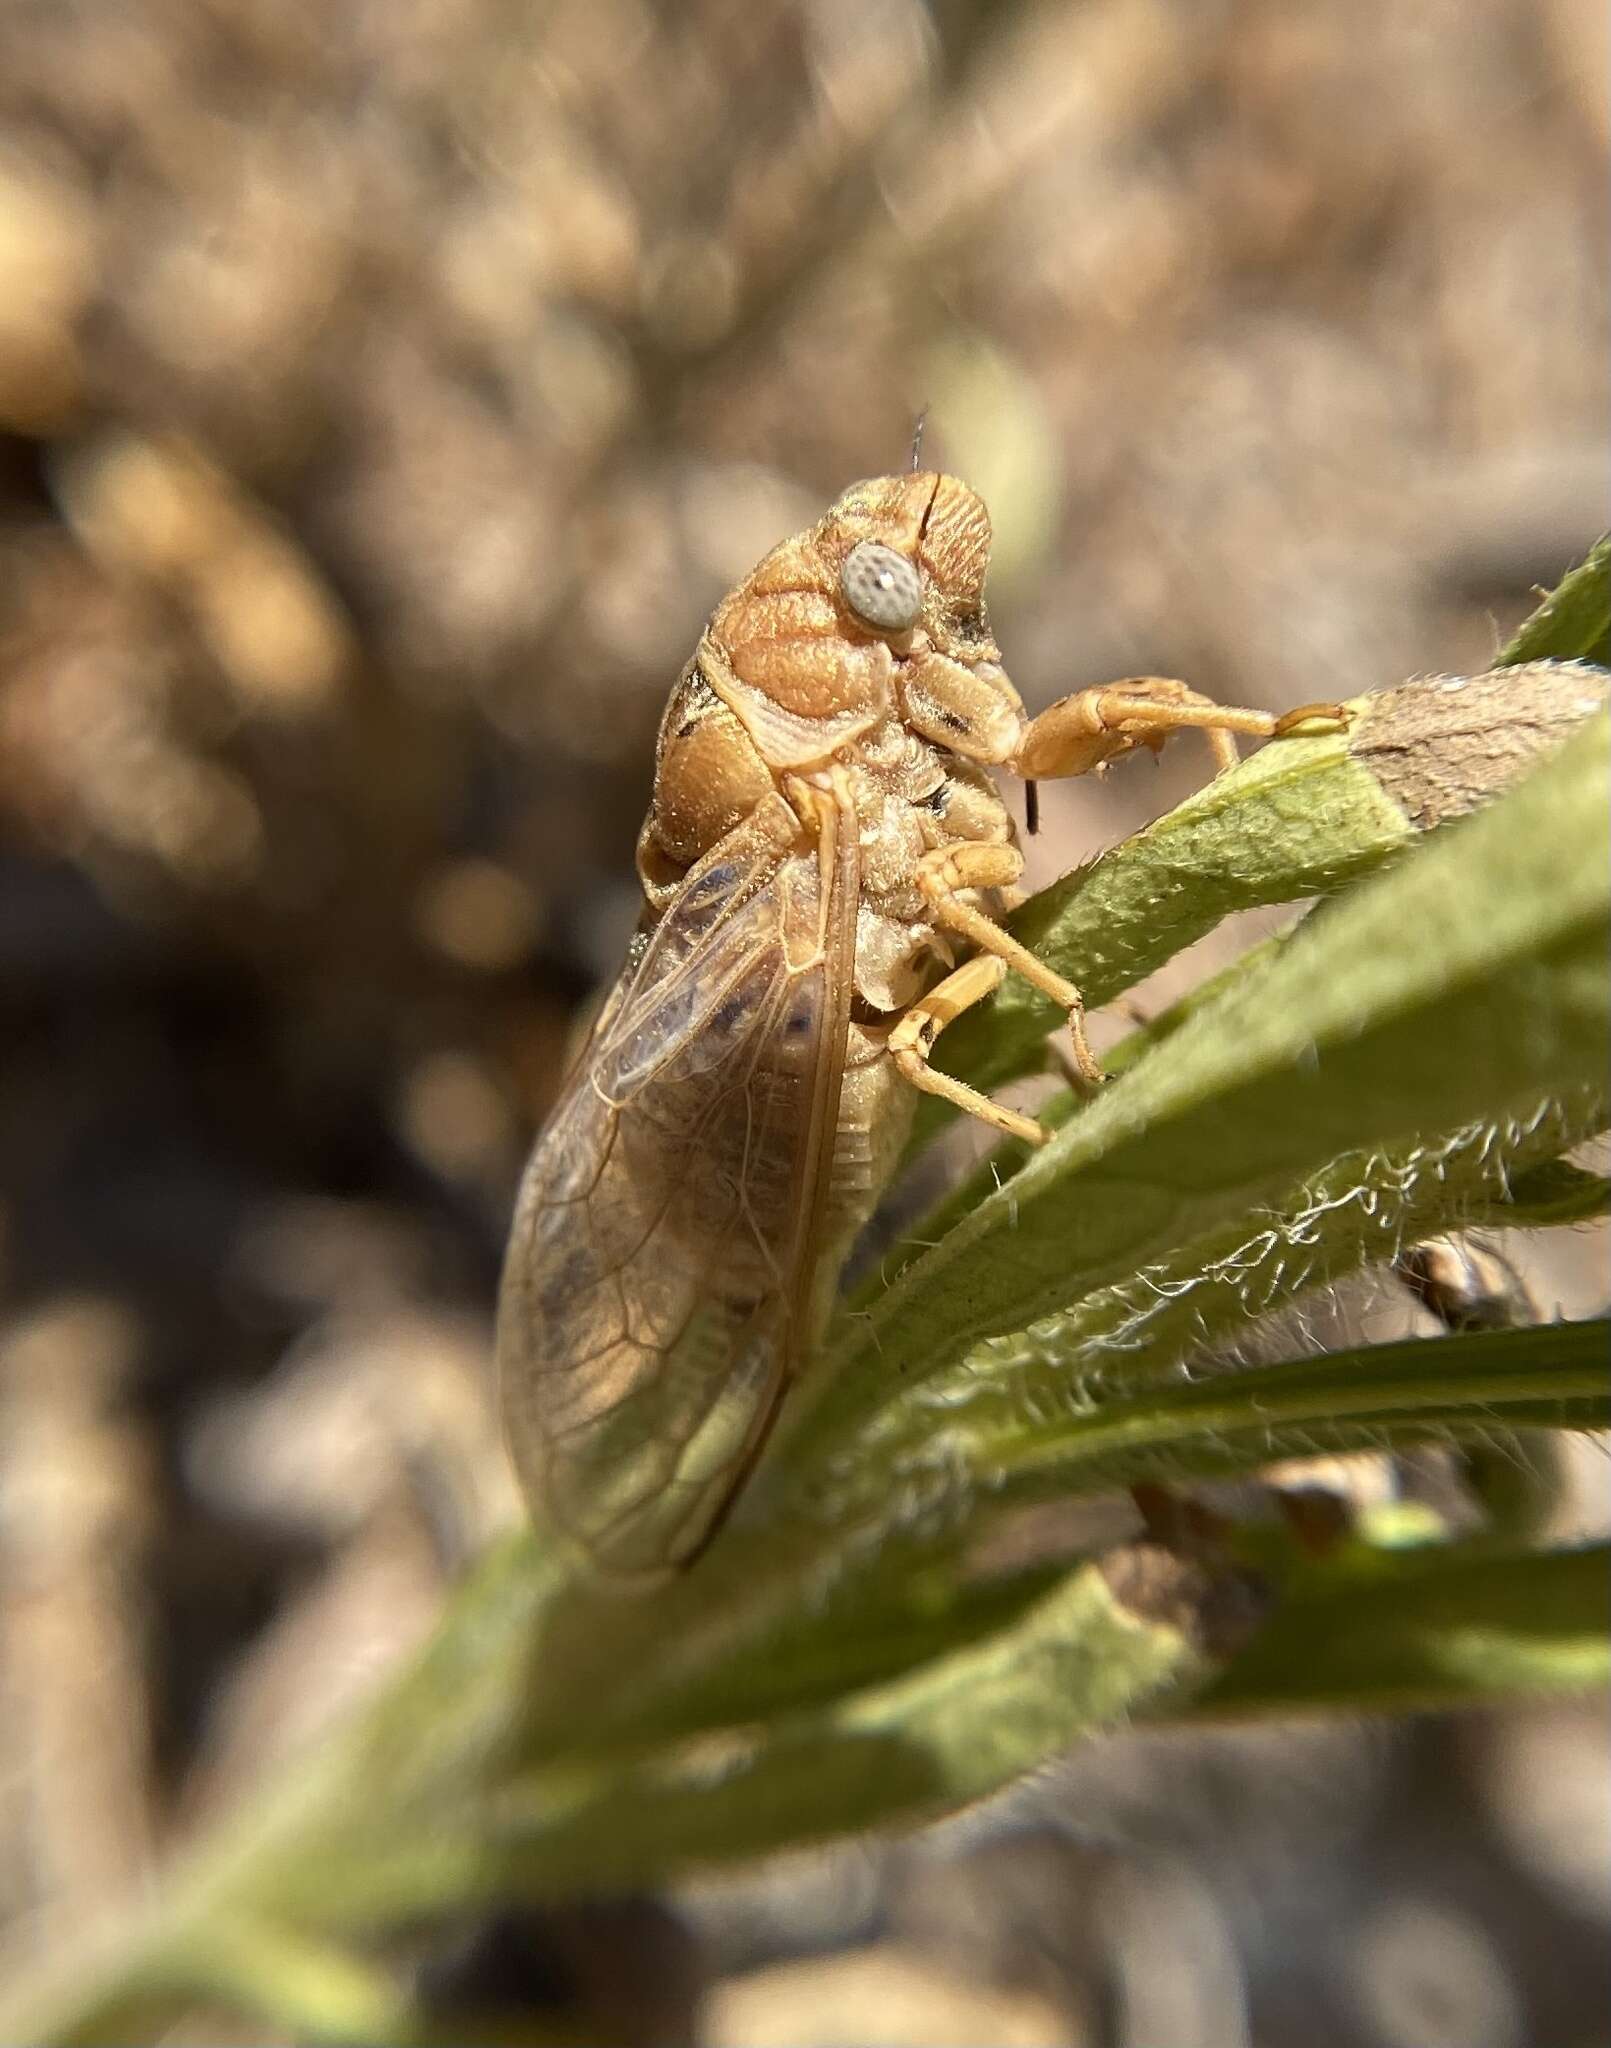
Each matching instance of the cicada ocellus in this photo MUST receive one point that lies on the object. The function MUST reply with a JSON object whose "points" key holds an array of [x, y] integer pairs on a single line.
{"points": [[824, 864]]}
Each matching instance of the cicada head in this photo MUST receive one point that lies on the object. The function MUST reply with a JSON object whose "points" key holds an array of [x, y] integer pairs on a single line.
{"points": [[936, 524], [808, 650]]}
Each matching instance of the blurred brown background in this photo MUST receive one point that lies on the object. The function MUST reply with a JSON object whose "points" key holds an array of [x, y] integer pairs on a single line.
{"points": [[386, 393]]}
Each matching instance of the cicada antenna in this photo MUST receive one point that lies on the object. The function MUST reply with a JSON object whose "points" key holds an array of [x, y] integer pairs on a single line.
{"points": [[917, 440]]}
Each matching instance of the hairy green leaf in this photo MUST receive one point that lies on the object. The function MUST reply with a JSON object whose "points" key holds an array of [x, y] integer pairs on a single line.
{"points": [[1466, 1627], [1574, 621], [1465, 986], [1233, 1421], [1554, 1193]]}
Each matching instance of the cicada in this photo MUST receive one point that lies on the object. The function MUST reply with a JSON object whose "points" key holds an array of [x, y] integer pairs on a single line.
{"points": [[825, 865]]}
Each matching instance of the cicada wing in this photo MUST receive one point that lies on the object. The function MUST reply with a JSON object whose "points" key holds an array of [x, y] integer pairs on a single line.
{"points": [[660, 1266]]}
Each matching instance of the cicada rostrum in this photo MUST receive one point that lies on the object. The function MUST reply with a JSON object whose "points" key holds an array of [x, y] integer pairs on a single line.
{"points": [[825, 864]]}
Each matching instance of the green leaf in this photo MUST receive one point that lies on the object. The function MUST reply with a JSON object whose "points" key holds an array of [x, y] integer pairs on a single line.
{"points": [[1078, 1655], [1044, 1656], [1465, 986], [312, 1989], [1361, 1209], [1554, 1194], [924, 1589], [1299, 819], [1423, 1629], [1574, 621], [1234, 1421]]}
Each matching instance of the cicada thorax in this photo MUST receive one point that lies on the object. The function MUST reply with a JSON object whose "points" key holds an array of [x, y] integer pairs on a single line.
{"points": [[708, 779]]}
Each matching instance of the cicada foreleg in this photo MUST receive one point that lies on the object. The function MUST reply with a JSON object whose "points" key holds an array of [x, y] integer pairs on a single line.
{"points": [[1085, 731]]}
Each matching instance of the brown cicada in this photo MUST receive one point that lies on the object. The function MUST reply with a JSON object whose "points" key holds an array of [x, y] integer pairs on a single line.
{"points": [[824, 865]]}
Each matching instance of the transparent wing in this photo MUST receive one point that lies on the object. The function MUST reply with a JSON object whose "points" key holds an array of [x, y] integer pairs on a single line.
{"points": [[660, 1265]]}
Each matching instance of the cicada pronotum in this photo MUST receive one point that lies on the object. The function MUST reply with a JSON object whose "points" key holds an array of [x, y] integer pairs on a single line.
{"points": [[824, 865]]}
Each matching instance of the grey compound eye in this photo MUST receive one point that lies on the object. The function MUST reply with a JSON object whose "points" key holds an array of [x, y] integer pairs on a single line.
{"points": [[881, 587]]}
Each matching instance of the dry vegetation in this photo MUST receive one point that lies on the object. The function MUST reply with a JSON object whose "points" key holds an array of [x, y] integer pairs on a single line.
{"points": [[386, 392]]}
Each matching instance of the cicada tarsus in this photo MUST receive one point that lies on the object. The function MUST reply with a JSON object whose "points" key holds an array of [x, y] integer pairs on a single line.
{"points": [[825, 864]]}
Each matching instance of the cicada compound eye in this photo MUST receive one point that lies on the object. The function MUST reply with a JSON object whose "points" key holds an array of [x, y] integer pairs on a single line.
{"points": [[881, 587]]}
